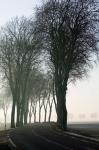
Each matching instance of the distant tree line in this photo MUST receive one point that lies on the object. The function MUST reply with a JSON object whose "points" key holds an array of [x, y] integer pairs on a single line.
{"points": [[65, 33]]}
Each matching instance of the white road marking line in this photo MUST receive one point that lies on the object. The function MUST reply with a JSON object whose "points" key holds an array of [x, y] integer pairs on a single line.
{"points": [[50, 141], [77, 135], [82, 136], [12, 143]]}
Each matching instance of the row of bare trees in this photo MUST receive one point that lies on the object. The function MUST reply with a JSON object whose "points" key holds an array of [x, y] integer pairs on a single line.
{"points": [[19, 51], [41, 100], [65, 33], [42, 97]]}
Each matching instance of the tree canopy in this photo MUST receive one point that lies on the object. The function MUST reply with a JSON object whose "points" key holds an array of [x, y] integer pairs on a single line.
{"points": [[69, 33]]}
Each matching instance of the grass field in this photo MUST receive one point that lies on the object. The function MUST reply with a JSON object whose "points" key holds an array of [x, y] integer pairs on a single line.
{"points": [[88, 129]]}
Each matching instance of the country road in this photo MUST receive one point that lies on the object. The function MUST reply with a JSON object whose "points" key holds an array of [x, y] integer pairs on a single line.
{"points": [[44, 137]]}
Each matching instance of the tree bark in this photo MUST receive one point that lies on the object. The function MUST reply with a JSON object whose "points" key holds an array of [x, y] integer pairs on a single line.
{"points": [[64, 114], [23, 101], [13, 115], [22, 115], [31, 110], [61, 107], [35, 112], [59, 112], [45, 116], [5, 116], [39, 110], [18, 114], [35, 116], [26, 115], [50, 111]]}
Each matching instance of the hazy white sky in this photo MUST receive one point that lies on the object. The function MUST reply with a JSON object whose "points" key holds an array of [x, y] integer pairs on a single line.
{"points": [[83, 97], [12, 8]]}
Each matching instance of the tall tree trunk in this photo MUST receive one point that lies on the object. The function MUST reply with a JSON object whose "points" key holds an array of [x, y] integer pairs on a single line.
{"points": [[59, 112], [13, 115], [45, 115], [31, 110], [45, 109], [22, 115], [39, 110], [25, 118], [30, 116], [64, 114], [35, 116], [61, 108], [35, 112], [23, 105], [26, 115], [50, 111], [24, 98], [5, 120], [18, 114], [39, 115]]}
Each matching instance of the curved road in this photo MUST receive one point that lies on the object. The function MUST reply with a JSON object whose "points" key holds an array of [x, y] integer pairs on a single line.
{"points": [[43, 137]]}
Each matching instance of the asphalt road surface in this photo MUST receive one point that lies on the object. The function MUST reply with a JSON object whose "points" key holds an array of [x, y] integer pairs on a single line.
{"points": [[44, 137]]}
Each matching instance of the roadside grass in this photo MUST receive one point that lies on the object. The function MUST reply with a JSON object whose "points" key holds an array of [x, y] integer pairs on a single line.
{"points": [[85, 131], [4, 137]]}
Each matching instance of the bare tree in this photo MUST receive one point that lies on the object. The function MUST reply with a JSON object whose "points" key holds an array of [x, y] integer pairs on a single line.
{"points": [[69, 33], [19, 54], [35, 91]]}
